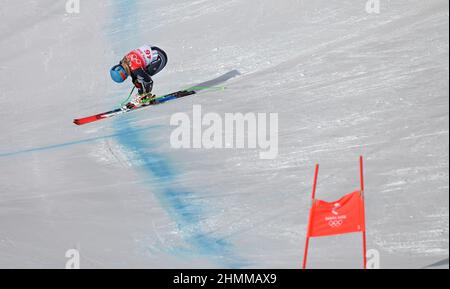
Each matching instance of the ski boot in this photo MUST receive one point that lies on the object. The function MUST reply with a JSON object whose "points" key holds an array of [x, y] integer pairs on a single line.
{"points": [[140, 100]]}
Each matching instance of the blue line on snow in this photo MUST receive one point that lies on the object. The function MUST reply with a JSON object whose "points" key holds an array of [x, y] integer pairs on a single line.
{"points": [[72, 143], [156, 167]]}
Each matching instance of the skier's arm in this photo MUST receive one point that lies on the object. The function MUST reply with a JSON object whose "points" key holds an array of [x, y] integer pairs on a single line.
{"points": [[143, 81]]}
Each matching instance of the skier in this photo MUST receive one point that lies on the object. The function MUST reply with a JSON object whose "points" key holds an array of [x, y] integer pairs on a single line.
{"points": [[141, 64]]}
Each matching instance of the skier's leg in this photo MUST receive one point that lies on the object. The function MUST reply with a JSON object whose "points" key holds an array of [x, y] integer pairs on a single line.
{"points": [[144, 80], [154, 67], [159, 63], [144, 83]]}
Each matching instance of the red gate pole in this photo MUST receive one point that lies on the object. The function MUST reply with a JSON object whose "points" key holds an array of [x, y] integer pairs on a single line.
{"points": [[361, 173], [316, 173], [305, 254], [361, 170]]}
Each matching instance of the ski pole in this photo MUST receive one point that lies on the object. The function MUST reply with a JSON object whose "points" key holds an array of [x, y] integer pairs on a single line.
{"points": [[126, 100]]}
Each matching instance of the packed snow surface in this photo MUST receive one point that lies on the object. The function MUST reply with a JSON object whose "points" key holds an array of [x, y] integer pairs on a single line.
{"points": [[344, 83]]}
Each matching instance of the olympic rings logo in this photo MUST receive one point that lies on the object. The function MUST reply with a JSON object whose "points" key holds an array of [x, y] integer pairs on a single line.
{"points": [[135, 59], [335, 223]]}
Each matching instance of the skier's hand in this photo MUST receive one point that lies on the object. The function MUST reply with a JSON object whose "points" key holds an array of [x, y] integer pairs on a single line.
{"points": [[138, 86]]}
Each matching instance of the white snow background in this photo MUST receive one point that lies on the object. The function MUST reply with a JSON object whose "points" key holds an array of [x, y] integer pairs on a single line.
{"points": [[343, 82]]}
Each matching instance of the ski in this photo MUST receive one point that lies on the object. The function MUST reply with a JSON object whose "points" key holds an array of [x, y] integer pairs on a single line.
{"points": [[119, 111]]}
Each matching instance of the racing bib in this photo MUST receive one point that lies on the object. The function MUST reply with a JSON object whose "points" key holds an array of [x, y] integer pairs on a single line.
{"points": [[140, 58]]}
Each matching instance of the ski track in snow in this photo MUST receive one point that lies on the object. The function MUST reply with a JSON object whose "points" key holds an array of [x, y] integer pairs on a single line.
{"points": [[158, 168]]}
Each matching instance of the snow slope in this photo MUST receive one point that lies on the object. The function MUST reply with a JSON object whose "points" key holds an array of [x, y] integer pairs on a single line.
{"points": [[343, 82]]}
